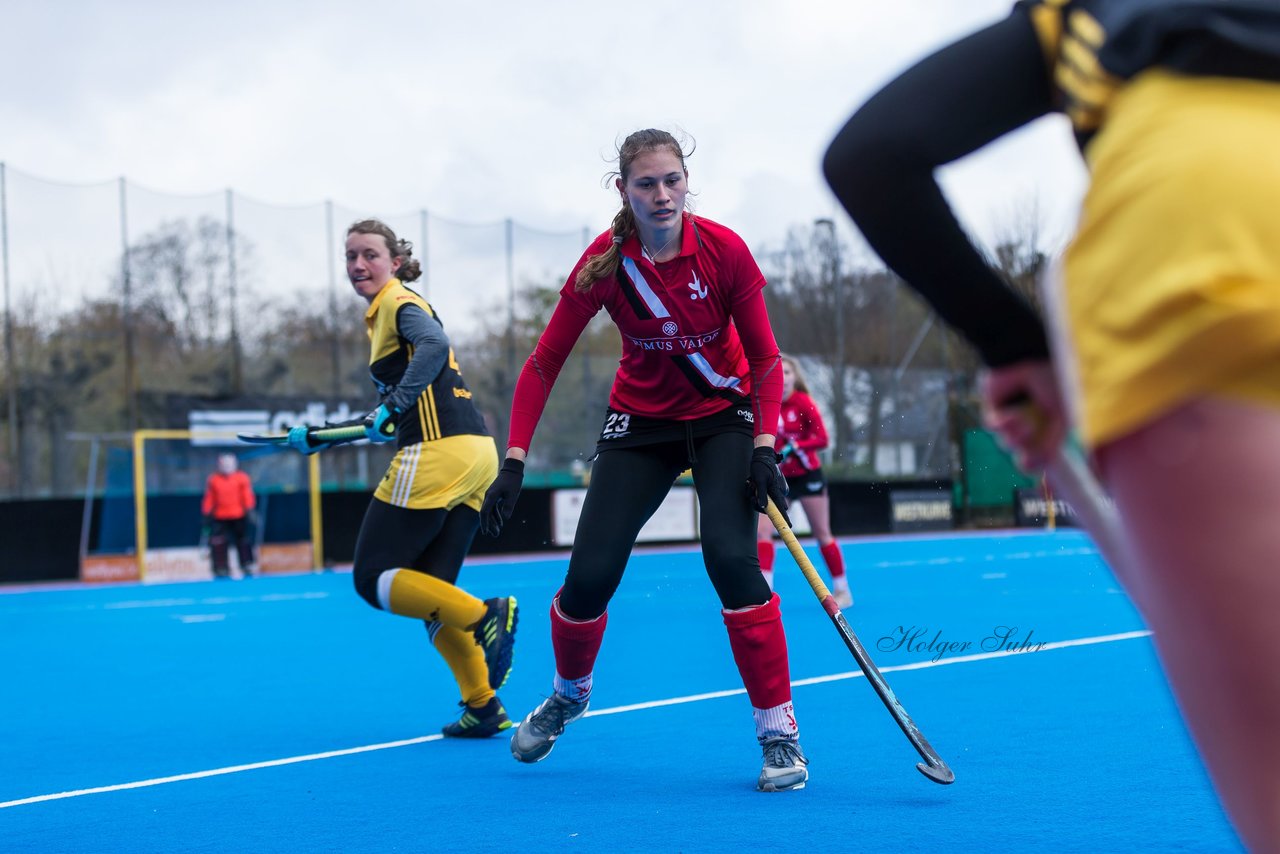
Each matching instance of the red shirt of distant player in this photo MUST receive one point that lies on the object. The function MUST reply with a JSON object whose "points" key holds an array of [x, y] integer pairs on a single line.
{"points": [[227, 495], [682, 357], [800, 424]]}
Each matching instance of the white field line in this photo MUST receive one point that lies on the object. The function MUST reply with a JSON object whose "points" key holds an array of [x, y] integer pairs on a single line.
{"points": [[613, 710]]}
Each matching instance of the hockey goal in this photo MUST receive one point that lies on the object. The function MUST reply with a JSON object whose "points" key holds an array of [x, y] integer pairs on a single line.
{"points": [[147, 523]]}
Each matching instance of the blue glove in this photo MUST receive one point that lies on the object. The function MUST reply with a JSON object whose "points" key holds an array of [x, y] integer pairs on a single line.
{"points": [[300, 440], [380, 424], [787, 450]]}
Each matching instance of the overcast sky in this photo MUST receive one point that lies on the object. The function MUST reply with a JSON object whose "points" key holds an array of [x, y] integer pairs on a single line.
{"points": [[485, 110]]}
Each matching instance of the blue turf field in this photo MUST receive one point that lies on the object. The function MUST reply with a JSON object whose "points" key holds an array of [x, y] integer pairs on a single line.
{"points": [[335, 708]]}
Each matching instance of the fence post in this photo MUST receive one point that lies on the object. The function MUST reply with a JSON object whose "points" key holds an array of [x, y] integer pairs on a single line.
{"points": [[511, 304], [15, 478], [837, 368], [237, 379], [130, 359], [335, 357], [425, 256]]}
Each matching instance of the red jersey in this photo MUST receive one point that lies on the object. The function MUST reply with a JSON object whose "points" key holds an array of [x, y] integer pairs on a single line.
{"points": [[800, 424], [695, 333], [227, 496]]}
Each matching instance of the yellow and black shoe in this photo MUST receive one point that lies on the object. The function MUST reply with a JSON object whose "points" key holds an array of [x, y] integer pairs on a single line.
{"points": [[496, 635], [489, 719]]}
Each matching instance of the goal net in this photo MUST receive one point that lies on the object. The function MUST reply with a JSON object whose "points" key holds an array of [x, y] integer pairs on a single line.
{"points": [[148, 523]]}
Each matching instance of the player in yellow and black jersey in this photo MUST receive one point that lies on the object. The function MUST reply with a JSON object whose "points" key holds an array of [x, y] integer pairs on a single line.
{"points": [[1165, 312], [425, 512]]}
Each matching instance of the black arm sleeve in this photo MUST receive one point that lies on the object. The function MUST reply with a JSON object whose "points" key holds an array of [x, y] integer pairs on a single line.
{"points": [[430, 352], [881, 168]]}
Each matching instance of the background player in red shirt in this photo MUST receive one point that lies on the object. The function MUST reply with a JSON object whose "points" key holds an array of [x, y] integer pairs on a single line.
{"points": [[228, 510], [697, 387], [801, 434]]}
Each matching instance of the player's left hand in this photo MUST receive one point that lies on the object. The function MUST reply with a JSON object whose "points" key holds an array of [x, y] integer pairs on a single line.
{"points": [[766, 481], [1022, 404], [380, 424], [300, 440]]}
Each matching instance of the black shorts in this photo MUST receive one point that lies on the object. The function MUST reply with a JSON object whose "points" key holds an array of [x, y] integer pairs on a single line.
{"points": [[807, 484], [624, 430]]}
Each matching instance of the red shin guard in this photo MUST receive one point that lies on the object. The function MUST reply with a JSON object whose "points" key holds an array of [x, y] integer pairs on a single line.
{"points": [[576, 644], [835, 560], [760, 650], [764, 549]]}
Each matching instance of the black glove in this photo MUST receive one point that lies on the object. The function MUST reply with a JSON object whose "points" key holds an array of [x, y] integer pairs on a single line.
{"points": [[500, 500], [767, 482]]}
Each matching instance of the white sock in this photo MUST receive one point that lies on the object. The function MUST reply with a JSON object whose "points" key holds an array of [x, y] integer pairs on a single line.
{"points": [[574, 690], [778, 721]]}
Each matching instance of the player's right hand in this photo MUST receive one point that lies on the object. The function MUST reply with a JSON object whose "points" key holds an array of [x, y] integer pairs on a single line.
{"points": [[500, 500], [1022, 404], [766, 481]]}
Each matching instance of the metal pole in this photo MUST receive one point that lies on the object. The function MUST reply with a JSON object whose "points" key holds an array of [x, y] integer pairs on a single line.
{"points": [[424, 256], [86, 517], [894, 387], [130, 361], [237, 379], [15, 480], [334, 353], [837, 372], [511, 302]]}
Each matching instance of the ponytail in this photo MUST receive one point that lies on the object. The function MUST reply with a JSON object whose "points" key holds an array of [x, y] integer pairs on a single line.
{"points": [[605, 264]]}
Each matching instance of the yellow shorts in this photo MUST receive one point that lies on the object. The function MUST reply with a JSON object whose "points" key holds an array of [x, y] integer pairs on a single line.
{"points": [[442, 473], [1170, 290]]}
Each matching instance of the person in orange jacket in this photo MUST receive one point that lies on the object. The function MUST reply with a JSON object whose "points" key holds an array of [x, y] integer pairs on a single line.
{"points": [[228, 509]]}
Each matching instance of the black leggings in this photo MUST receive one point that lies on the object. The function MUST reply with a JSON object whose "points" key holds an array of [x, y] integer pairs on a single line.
{"points": [[628, 485], [434, 542]]}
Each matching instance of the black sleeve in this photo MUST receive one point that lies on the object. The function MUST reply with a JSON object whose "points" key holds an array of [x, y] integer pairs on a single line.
{"points": [[881, 167], [430, 352]]}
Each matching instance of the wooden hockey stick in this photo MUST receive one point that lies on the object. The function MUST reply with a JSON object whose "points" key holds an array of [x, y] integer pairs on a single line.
{"points": [[933, 767]]}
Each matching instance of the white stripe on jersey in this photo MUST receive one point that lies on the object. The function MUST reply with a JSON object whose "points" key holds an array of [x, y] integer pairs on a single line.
{"points": [[655, 305], [642, 287], [704, 367], [403, 490]]}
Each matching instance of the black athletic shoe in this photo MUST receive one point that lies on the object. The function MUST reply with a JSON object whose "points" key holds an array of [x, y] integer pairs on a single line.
{"points": [[483, 722], [496, 635]]}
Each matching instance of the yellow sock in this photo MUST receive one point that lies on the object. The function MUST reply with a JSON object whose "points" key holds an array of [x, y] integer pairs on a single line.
{"points": [[463, 655], [418, 595]]}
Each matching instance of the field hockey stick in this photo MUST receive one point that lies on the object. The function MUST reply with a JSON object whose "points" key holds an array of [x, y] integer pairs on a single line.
{"points": [[1070, 477], [316, 435], [933, 767]]}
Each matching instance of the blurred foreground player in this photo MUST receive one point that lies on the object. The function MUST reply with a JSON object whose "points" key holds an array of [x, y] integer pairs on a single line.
{"points": [[1166, 314]]}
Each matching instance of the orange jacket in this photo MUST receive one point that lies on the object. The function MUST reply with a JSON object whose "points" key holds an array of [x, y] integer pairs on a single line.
{"points": [[227, 496]]}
